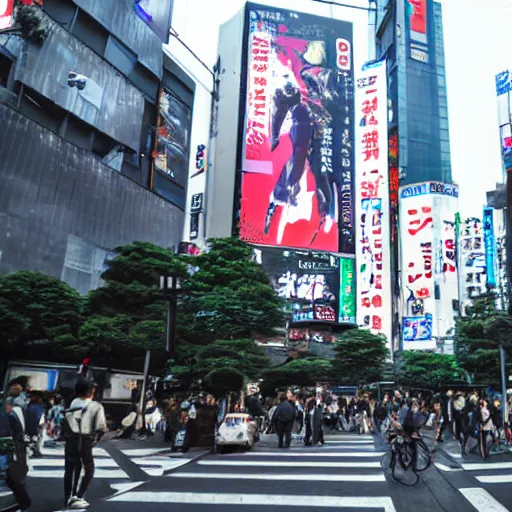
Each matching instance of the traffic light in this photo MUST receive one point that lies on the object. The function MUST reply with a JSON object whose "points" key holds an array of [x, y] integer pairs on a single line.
{"points": [[32, 25]]}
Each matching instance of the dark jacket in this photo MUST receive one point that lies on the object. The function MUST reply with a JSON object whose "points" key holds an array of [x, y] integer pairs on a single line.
{"points": [[33, 415], [285, 412]]}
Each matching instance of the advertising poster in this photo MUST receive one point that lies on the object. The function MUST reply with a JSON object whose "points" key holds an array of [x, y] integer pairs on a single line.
{"points": [[297, 160], [347, 292], [428, 262], [415, 329], [490, 246], [173, 138], [372, 201], [417, 14], [308, 282]]}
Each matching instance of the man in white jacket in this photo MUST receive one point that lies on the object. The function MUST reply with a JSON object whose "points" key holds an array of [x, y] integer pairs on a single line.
{"points": [[83, 426]]}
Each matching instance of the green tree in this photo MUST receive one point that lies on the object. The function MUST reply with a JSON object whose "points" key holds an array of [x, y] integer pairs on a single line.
{"points": [[228, 297], [360, 357], [477, 339], [221, 381], [429, 370], [37, 312], [306, 371], [195, 362]]}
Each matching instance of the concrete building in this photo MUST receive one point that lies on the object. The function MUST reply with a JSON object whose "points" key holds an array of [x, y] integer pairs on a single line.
{"points": [[98, 138]]}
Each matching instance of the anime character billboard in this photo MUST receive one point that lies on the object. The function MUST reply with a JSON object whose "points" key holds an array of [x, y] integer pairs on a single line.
{"points": [[297, 159]]}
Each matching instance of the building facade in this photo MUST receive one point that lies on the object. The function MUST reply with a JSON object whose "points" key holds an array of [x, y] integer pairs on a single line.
{"points": [[96, 140], [409, 33]]}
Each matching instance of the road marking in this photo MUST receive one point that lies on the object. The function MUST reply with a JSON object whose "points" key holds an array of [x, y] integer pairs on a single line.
{"points": [[482, 500], [442, 467], [156, 466], [309, 501], [291, 464], [488, 466], [144, 452], [99, 473], [122, 488], [99, 463], [309, 454], [495, 479], [361, 441], [59, 452], [280, 476]]}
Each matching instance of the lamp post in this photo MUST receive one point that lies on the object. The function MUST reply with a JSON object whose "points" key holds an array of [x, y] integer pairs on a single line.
{"points": [[170, 286]]}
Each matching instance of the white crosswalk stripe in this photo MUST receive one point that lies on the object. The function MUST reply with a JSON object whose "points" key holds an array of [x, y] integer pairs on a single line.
{"points": [[490, 472], [235, 478]]}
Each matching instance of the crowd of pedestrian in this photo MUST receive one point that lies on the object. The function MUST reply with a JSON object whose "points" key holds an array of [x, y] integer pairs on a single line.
{"points": [[474, 419]]}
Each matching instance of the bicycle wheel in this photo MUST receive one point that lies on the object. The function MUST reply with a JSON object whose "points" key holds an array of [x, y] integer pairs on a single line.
{"points": [[387, 461], [407, 477], [422, 456]]}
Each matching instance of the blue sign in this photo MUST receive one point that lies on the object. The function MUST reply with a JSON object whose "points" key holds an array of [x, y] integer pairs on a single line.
{"points": [[490, 246], [430, 187], [503, 84], [417, 328]]}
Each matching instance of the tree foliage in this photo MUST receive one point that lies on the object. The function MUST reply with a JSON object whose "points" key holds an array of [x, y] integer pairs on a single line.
{"points": [[360, 357], [229, 295], [221, 381], [195, 361], [477, 339], [37, 311], [300, 372], [429, 370]]}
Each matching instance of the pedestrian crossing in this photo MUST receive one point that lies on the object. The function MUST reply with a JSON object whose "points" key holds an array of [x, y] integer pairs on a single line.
{"points": [[343, 475], [153, 462]]}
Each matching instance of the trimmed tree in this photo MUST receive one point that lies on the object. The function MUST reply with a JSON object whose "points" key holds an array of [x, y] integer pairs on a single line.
{"points": [[360, 357], [38, 313], [429, 370], [299, 372]]}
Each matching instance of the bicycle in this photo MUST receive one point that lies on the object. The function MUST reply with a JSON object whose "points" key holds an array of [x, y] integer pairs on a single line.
{"points": [[408, 457]]}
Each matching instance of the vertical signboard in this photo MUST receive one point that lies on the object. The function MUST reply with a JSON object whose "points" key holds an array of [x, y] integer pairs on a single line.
{"points": [[347, 297], [490, 246], [296, 157], [372, 201], [418, 29], [503, 88], [428, 262]]}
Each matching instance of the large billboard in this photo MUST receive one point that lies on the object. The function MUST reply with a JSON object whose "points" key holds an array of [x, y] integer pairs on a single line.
{"points": [[418, 29], [372, 201], [428, 263], [309, 284], [296, 157]]}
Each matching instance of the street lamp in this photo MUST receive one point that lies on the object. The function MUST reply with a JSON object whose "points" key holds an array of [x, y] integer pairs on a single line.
{"points": [[170, 286]]}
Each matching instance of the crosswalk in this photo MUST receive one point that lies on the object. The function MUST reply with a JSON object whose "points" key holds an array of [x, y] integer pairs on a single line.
{"points": [[153, 462], [343, 475]]}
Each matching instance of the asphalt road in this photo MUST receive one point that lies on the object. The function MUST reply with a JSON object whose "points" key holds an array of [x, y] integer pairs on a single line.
{"points": [[345, 475]]}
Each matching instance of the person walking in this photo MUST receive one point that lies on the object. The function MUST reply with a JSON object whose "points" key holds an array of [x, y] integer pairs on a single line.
{"points": [[83, 427], [284, 416], [34, 424], [486, 428], [13, 449]]}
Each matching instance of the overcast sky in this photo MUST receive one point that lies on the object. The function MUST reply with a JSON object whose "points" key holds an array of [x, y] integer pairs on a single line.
{"points": [[477, 46]]}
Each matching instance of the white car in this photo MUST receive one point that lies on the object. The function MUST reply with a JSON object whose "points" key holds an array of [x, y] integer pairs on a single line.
{"points": [[237, 429]]}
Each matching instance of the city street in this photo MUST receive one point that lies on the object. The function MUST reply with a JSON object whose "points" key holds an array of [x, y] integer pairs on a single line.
{"points": [[345, 474]]}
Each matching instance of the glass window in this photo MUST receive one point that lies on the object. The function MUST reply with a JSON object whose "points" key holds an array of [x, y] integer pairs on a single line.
{"points": [[90, 32], [120, 56]]}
